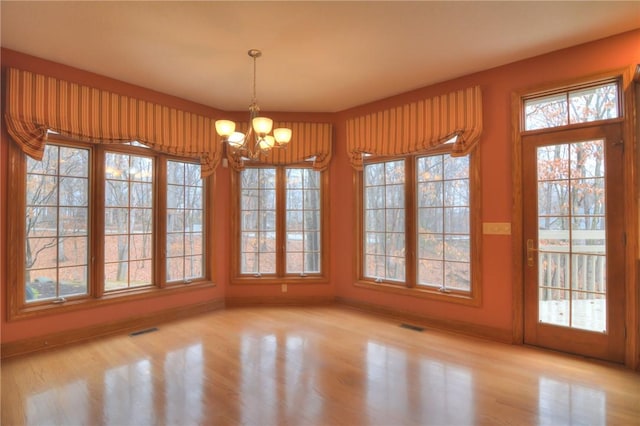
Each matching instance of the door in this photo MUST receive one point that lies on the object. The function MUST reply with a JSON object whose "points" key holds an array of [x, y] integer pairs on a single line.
{"points": [[574, 241]]}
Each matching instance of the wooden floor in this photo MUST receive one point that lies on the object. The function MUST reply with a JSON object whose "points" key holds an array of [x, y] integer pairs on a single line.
{"points": [[310, 366]]}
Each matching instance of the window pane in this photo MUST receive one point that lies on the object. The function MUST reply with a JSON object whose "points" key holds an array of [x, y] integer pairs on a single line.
{"points": [[431, 169], [56, 219], [193, 267], [374, 197], [193, 220], [457, 276], [141, 194], [593, 103], [140, 273], [48, 165], [116, 220], [457, 248], [572, 252], [185, 213], [302, 221], [384, 220], [374, 220], [456, 220], [141, 169], [455, 167], [74, 162], [41, 221], [374, 175], [73, 281], [42, 190], [295, 220], [140, 221], [175, 173], [456, 192], [394, 196], [73, 191], [175, 268], [430, 246], [175, 196], [73, 221], [572, 107], [430, 194], [129, 214], [258, 221], [141, 246], [553, 162], [430, 220], [546, 112], [443, 232]]}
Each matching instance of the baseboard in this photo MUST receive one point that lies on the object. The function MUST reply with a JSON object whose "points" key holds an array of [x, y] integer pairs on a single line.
{"points": [[39, 343], [454, 326], [34, 344], [235, 302]]}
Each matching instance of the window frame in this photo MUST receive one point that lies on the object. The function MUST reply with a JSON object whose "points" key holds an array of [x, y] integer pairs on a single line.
{"points": [[280, 277], [564, 91], [409, 287], [17, 306]]}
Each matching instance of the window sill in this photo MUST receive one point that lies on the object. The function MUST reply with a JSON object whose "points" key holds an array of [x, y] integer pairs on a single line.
{"points": [[422, 293], [89, 302]]}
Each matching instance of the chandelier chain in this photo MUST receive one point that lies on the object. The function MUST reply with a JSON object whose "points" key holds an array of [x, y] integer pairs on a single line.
{"points": [[254, 100]]}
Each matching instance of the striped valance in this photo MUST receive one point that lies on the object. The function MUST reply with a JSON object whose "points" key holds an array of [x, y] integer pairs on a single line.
{"points": [[37, 103], [417, 126], [308, 141]]}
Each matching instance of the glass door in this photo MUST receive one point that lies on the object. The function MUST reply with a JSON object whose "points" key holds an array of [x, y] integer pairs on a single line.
{"points": [[574, 241]]}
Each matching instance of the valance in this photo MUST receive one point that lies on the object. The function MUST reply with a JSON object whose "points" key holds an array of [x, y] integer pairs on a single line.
{"points": [[417, 126], [309, 141], [37, 103]]}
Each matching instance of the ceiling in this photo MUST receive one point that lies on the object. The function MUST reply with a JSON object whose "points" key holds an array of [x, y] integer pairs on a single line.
{"points": [[317, 56]]}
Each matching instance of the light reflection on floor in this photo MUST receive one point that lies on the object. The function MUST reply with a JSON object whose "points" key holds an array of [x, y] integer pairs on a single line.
{"points": [[271, 374]]}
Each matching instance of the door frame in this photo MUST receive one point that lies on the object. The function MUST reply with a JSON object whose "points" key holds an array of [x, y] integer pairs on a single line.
{"points": [[630, 79]]}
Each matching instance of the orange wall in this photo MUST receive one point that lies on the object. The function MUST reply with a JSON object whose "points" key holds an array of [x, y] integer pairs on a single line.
{"points": [[52, 323], [497, 85], [496, 174], [22, 329]]}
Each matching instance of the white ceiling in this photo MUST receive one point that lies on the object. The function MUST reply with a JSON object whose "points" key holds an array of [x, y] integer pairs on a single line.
{"points": [[317, 56]]}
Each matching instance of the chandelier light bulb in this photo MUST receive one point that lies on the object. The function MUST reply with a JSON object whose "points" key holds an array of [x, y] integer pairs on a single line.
{"points": [[262, 125], [282, 135], [236, 139], [225, 128], [267, 142]]}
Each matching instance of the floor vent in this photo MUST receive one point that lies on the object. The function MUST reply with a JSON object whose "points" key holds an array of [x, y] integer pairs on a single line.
{"points": [[146, 330], [411, 327]]}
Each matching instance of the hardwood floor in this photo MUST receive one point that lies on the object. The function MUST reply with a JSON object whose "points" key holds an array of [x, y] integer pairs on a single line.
{"points": [[326, 365]]}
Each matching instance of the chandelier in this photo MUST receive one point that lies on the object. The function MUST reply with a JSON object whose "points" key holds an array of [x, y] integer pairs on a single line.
{"points": [[257, 140]]}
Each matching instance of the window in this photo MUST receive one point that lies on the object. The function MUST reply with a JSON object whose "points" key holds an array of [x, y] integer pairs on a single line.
{"points": [[384, 187], [185, 217], [258, 223], [444, 239], [418, 234], [128, 221], [281, 224], [303, 222], [580, 105], [94, 217], [57, 224]]}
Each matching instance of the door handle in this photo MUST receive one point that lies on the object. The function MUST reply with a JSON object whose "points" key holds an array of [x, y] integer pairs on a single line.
{"points": [[530, 250]]}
